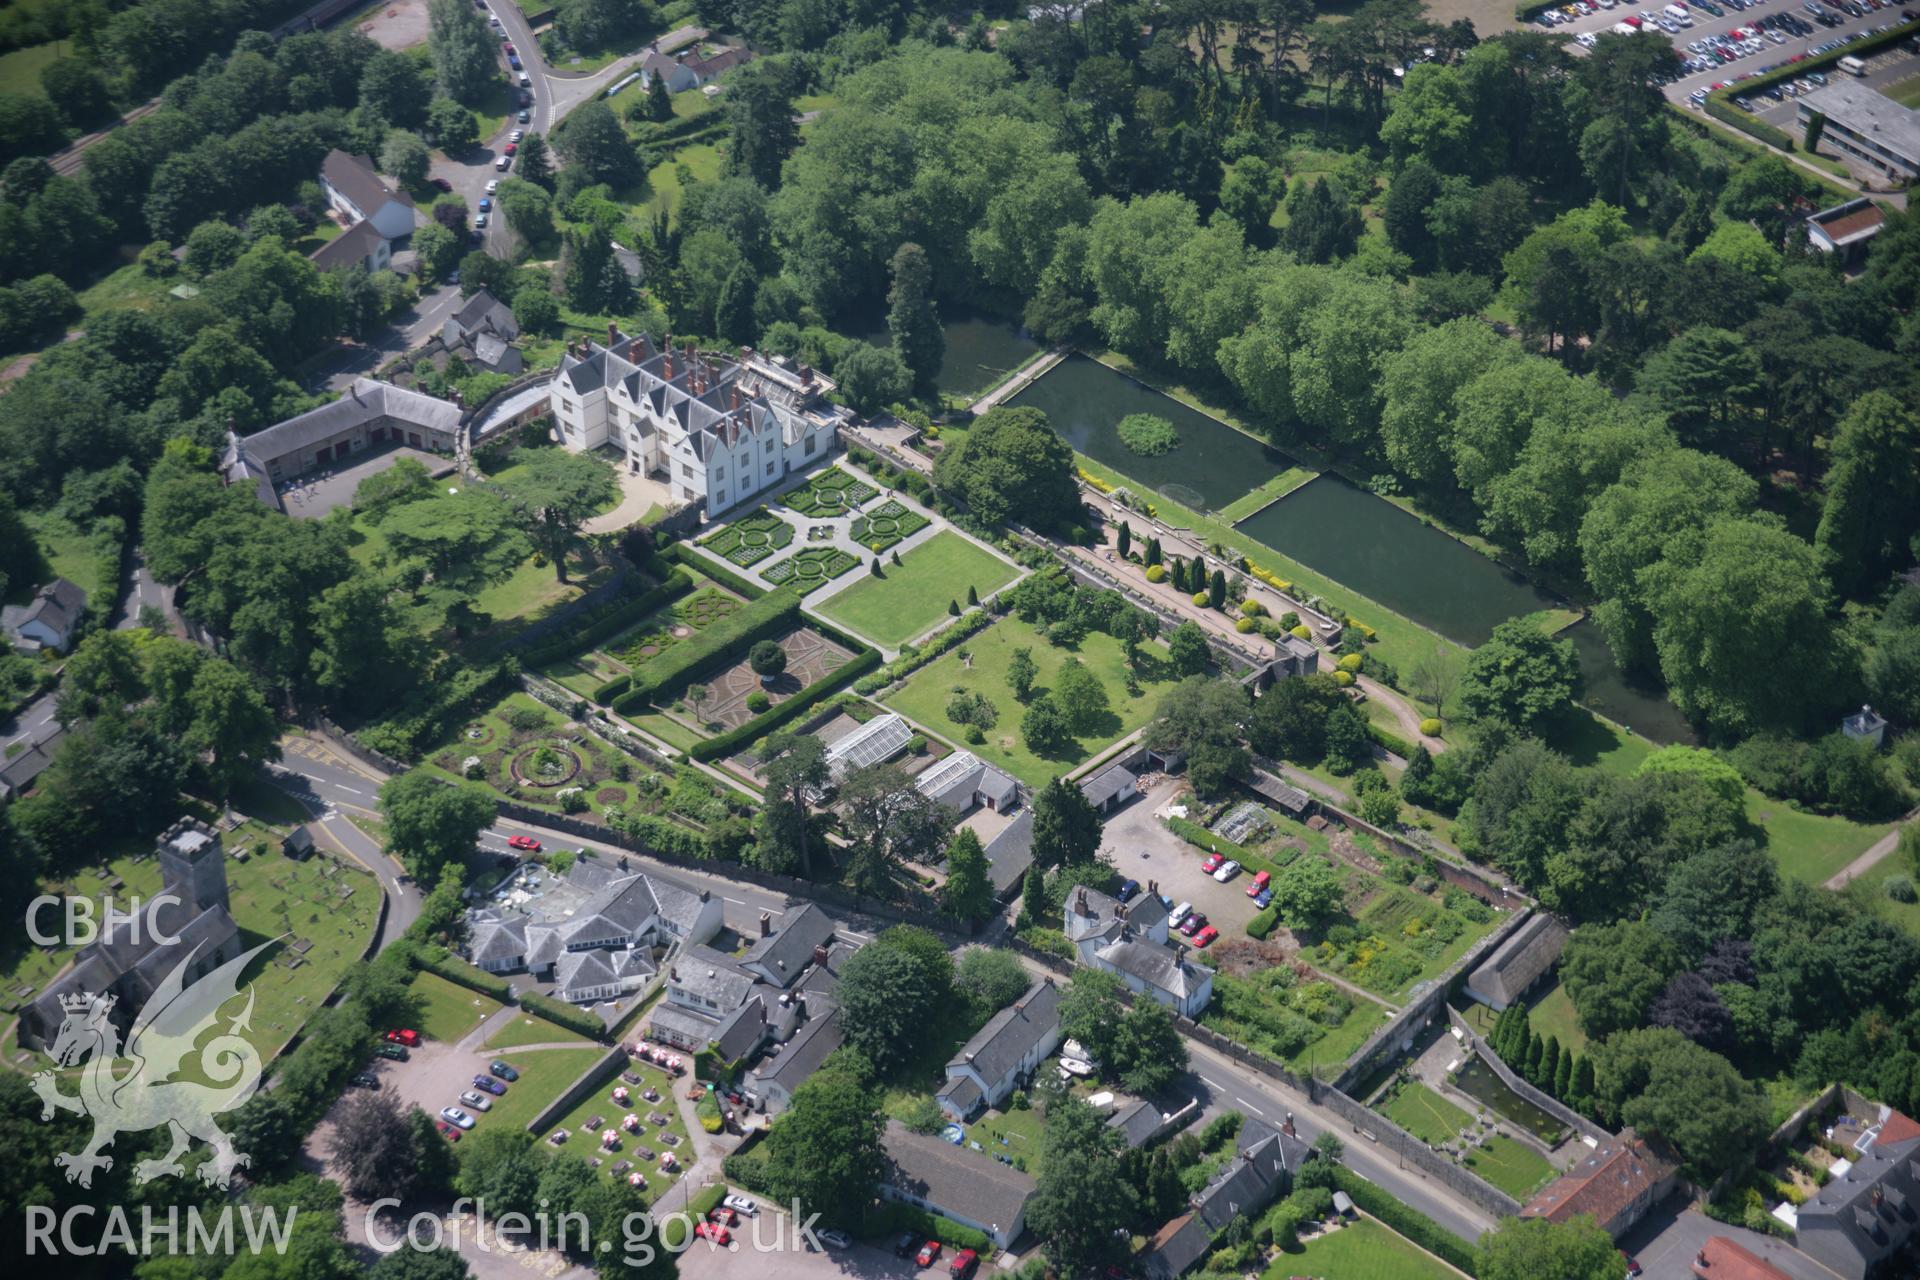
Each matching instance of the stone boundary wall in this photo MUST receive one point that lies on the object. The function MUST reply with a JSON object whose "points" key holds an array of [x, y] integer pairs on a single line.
{"points": [[1538, 1097], [1385, 1042], [608, 1068]]}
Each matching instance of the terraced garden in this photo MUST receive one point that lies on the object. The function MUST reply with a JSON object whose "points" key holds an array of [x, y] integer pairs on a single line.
{"points": [[751, 539], [810, 569], [886, 524], [830, 493]]}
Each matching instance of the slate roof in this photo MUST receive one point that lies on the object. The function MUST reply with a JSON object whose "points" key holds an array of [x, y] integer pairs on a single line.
{"points": [[1011, 1034], [1112, 782], [962, 776], [364, 403], [819, 1036], [1147, 912], [1010, 853], [496, 940], [959, 1181], [1093, 914], [1859, 1217], [1258, 1173], [58, 605], [1517, 963], [962, 1094], [785, 953], [17, 774], [578, 969], [1602, 1182], [485, 313], [1155, 963], [350, 248], [684, 1021], [1180, 1245], [1137, 1122], [356, 178], [706, 973], [741, 1031]]}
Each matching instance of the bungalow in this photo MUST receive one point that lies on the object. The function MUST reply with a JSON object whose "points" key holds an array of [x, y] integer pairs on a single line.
{"points": [[1615, 1184], [356, 191], [1862, 1218], [1110, 788], [963, 782], [48, 620], [965, 1186], [1006, 1051]]}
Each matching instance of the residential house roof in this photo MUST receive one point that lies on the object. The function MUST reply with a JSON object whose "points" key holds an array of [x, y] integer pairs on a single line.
{"points": [[1010, 853], [1723, 1259], [1180, 1245], [348, 249], [1110, 783], [356, 178], [818, 1037], [484, 313], [1157, 964], [17, 774], [1137, 1122], [366, 402], [57, 605], [1602, 1182], [1517, 963], [784, 954], [705, 973], [1000, 1046], [498, 940], [1849, 223], [963, 776], [1260, 1170], [1873, 1204], [953, 1178], [962, 1094], [1092, 914]]}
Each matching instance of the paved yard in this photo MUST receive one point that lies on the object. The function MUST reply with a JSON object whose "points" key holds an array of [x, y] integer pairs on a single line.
{"points": [[314, 494], [743, 1262], [1143, 848]]}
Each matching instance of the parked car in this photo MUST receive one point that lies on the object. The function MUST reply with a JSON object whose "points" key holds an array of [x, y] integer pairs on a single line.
{"points": [[1226, 871], [479, 222], [525, 843], [509, 48], [724, 1216], [1264, 899], [493, 185], [517, 135], [490, 1085], [366, 1080], [965, 1263], [511, 148], [1205, 936], [523, 117], [486, 202], [1633, 1264], [1179, 913], [456, 1117], [1127, 889], [1213, 861], [1194, 923], [928, 1253], [713, 1232], [903, 1244], [447, 1131], [440, 184], [836, 1239], [404, 1035], [1260, 879], [476, 1100], [743, 1205], [397, 1052]]}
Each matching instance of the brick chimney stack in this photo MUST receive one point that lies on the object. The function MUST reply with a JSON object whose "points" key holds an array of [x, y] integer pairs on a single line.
{"points": [[613, 334], [766, 924], [1286, 1127]]}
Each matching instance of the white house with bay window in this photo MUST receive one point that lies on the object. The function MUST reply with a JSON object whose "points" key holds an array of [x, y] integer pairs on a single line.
{"points": [[710, 427]]}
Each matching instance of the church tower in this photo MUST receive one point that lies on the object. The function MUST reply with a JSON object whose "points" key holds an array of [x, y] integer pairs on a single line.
{"points": [[192, 866]]}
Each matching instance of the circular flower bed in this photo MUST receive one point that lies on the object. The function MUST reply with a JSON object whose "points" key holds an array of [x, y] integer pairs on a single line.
{"points": [[477, 734], [883, 526], [754, 537], [809, 569], [546, 764]]}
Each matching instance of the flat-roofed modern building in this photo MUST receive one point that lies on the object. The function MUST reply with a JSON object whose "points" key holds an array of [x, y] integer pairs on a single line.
{"points": [[1866, 126]]}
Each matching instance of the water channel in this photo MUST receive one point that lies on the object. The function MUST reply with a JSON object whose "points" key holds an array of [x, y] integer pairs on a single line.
{"points": [[1213, 464], [982, 349], [1478, 1082]]}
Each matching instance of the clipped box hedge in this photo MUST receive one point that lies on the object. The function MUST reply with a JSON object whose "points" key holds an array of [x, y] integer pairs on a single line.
{"points": [[562, 1014], [1754, 127], [612, 689], [686, 555], [606, 621], [1263, 923], [724, 641], [461, 973], [1391, 741]]}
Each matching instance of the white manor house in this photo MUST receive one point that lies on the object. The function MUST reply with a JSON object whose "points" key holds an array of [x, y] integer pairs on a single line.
{"points": [[709, 427]]}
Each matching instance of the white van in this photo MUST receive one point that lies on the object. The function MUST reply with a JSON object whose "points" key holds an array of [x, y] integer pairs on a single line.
{"points": [[1853, 66], [1679, 15]]}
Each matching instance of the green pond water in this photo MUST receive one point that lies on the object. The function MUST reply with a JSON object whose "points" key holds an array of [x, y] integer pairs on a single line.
{"points": [[1478, 1082], [1214, 464], [982, 349], [1384, 553], [1609, 692]]}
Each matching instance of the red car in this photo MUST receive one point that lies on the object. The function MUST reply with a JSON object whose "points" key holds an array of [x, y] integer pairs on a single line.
{"points": [[528, 843], [964, 1263], [724, 1216], [714, 1232], [1633, 1264], [448, 1132], [1205, 936], [928, 1253], [404, 1036], [1212, 864], [509, 48], [512, 148], [1260, 880]]}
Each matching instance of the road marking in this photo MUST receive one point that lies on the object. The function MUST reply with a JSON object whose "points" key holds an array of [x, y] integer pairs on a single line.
{"points": [[349, 790], [1249, 1106], [1212, 1084]]}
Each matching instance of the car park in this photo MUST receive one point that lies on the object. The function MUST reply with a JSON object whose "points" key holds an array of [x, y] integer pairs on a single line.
{"points": [[1193, 923], [489, 1085], [476, 1101], [1213, 862], [1264, 899], [724, 1216], [456, 1117]]}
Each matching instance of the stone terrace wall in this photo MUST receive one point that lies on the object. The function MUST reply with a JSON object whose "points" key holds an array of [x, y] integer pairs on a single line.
{"points": [[1512, 1079]]}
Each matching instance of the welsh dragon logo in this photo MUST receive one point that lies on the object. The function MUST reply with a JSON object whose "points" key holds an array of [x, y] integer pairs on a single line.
{"points": [[165, 1034]]}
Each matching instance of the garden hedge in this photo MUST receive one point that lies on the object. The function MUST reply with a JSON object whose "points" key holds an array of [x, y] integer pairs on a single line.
{"points": [[607, 620], [463, 974], [748, 1169], [767, 721], [1263, 923], [563, 1014], [891, 1218], [1411, 1223], [724, 641], [1391, 741], [612, 689], [1726, 113], [726, 577]]}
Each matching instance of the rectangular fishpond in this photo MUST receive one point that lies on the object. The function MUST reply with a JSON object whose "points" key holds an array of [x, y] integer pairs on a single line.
{"points": [[1478, 1082], [981, 350]]}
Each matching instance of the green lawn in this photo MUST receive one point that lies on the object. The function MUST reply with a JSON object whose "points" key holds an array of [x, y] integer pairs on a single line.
{"points": [[543, 1074], [585, 1143], [448, 1010], [1872, 889], [1362, 1250], [1552, 1015], [1273, 490], [1514, 1167], [702, 160], [128, 288], [20, 70], [1807, 846], [926, 694], [1424, 1114], [70, 552], [913, 596], [1906, 92], [524, 1028]]}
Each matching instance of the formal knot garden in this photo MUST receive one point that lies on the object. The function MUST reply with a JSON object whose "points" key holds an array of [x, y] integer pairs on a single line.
{"points": [[810, 569], [751, 538], [831, 492], [886, 524]]}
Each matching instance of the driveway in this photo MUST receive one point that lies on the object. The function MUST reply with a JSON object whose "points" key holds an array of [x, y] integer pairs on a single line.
{"points": [[1144, 849]]}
